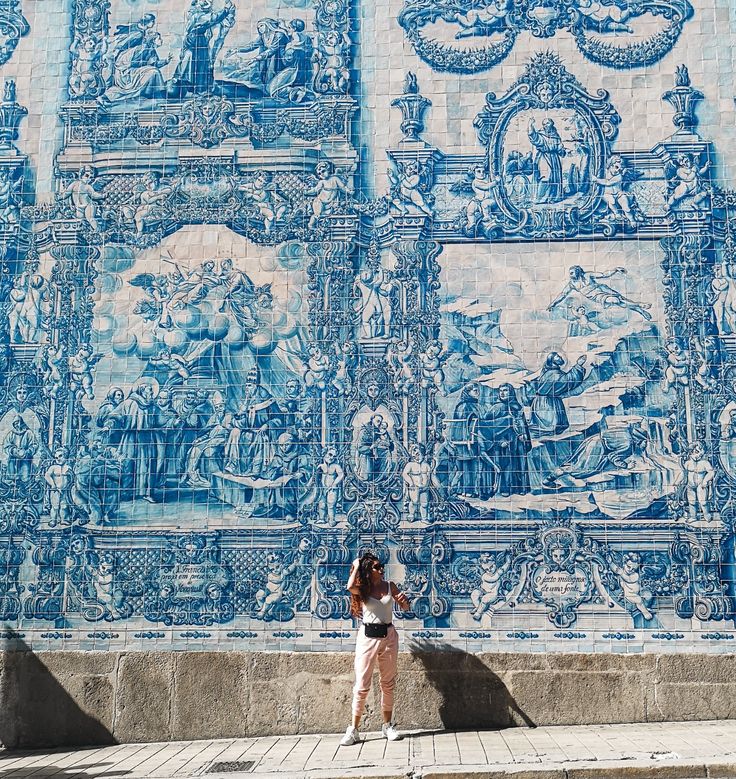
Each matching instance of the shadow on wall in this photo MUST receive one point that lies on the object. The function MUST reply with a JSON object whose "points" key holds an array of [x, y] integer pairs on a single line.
{"points": [[472, 696], [36, 709]]}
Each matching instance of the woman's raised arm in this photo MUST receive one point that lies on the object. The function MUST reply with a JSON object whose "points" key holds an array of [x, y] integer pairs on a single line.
{"points": [[352, 585]]}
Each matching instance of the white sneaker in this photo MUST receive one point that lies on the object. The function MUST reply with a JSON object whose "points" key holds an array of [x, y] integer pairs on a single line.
{"points": [[351, 737], [389, 731]]}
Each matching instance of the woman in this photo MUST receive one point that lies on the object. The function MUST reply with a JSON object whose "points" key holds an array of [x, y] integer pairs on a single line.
{"points": [[135, 67], [371, 600], [268, 71]]}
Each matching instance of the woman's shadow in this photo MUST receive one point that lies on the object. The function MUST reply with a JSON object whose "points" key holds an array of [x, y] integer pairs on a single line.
{"points": [[38, 711], [472, 696]]}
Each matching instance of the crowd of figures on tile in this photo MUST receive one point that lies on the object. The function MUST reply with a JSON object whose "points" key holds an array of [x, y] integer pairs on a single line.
{"points": [[249, 418], [284, 61], [230, 395]]}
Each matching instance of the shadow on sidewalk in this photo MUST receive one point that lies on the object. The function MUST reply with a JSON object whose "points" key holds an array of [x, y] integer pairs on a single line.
{"points": [[77, 771], [472, 696], [37, 710]]}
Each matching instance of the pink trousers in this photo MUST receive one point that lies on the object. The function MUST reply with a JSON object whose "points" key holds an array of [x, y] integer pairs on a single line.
{"points": [[367, 652]]}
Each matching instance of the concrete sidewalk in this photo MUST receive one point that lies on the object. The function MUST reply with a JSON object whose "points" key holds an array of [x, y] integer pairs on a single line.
{"points": [[690, 750]]}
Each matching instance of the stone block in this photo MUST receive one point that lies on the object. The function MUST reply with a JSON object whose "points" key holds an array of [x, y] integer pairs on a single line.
{"points": [[210, 695], [418, 702], [502, 662], [273, 708], [299, 693], [145, 682], [54, 699], [562, 698], [8, 722], [710, 669], [441, 661], [720, 770], [324, 703], [625, 770], [270, 714], [454, 700], [694, 701], [62, 664], [433, 659], [579, 661], [507, 772], [268, 665]]}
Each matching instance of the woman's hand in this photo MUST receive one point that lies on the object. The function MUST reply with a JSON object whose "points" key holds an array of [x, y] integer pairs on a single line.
{"points": [[402, 602]]}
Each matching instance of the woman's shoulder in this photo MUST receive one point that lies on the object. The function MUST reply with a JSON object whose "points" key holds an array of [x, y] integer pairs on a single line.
{"points": [[390, 589]]}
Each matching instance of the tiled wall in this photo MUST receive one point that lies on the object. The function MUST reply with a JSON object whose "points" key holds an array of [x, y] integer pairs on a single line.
{"points": [[285, 280]]}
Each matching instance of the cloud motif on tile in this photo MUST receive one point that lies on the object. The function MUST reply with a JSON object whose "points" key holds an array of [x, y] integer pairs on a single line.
{"points": [[467, 36]]}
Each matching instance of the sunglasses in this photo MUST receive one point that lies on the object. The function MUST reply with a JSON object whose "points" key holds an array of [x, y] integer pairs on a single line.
{"points": [[378, 567]]}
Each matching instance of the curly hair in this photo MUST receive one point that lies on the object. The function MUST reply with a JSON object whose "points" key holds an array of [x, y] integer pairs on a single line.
{"points": [[363, 580]]}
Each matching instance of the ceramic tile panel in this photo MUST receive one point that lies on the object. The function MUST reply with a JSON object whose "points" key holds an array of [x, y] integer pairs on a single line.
{"points": [[287, 280]]}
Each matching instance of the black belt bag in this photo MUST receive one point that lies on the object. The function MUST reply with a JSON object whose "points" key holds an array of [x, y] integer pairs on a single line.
{"points": [[376, 629]]}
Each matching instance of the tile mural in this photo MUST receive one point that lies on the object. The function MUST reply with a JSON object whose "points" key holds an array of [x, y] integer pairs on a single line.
{"points": [[284, 280]]}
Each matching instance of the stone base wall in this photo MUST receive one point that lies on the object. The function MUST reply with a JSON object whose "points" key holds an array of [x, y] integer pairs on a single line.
{"points": [[74, 698]]}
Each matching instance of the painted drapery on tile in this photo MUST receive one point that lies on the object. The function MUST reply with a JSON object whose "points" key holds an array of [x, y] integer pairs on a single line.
{"points": [[243, 339]]}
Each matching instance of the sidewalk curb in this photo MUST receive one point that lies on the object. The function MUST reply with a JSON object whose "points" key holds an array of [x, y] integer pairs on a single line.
{"points": [[612, 769]]}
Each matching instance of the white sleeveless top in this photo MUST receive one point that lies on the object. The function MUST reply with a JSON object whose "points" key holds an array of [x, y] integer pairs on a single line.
{"points": [[379, 610]]}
